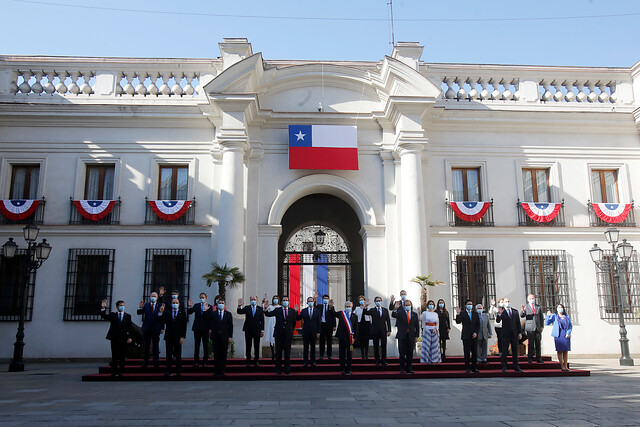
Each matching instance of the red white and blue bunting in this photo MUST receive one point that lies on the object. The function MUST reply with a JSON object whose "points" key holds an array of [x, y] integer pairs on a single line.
{"points": [[612, 213], [169, 210], [94, 210], [470, 211], [541, 212], [18, 209]]}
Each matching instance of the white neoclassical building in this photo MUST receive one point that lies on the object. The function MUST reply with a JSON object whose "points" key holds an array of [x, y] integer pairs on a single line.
{"points": [[544, 157]]}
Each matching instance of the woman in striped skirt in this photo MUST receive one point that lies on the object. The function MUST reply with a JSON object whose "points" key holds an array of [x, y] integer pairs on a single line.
{"points": [[430, 336]]}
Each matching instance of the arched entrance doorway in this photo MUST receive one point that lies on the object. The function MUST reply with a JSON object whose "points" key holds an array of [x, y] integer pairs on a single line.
{"points": [[336, 266]]}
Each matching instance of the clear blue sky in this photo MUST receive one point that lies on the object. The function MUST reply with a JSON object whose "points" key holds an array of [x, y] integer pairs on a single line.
{"points": [[461, 31]]}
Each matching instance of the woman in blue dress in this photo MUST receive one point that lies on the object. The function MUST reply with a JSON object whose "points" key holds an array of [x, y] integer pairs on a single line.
{"points": [[561, 332]]}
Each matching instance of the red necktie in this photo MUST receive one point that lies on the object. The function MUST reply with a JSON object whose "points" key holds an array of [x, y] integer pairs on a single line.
{"points": [[533, 309], [284, 310], [408, 316]]}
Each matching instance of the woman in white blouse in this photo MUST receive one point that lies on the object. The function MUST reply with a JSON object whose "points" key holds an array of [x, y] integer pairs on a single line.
{"points": [[430, 337], [270, 323]]}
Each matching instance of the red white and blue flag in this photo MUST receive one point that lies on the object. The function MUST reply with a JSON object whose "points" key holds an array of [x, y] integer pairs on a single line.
{"points": [[169, 210], [612, 212], [470, 211], [15, 210], [347, 321], [94, 210], [323, 147], [541, 212]]}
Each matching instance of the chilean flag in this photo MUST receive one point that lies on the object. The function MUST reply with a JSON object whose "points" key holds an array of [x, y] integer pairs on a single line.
{"points": [[323, 147]]}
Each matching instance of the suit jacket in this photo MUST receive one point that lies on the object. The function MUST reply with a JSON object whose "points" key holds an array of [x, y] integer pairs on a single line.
{"points": [[118, 331], [221, 328], [485, 327], [392, 305], [554, 319], [150, 321], [252, 324], [174, 329], [201, 321], [470, 325], [342, 332], [329, 316], [379, 324], [406, 329], [310, 324], [535, 322], [510, 325], [283, 328]]}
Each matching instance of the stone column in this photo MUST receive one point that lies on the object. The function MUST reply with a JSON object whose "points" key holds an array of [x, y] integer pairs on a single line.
{"points": [[412, 218]]}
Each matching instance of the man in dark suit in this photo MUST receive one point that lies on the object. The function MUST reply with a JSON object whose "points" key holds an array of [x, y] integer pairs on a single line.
{"points": [[120, 329], [403, 298], [346, 334], [327, 327], [253, 328], [470, 330], [379, 331], [151, 327], [533, 327], [200, 328], [221, 336], [286, 319], [511, 333], [408, 325], [175, 331], [310, 317]]}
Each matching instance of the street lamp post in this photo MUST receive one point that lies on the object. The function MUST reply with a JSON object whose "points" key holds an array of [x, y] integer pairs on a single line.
{"points": [[621, 254], [37, 253]]}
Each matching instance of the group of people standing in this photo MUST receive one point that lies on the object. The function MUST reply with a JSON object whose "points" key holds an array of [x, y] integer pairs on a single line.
{"points": [[275, 321]]}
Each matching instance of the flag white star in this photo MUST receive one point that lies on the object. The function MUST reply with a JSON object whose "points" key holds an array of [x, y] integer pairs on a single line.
{"points": [[300, 135]]}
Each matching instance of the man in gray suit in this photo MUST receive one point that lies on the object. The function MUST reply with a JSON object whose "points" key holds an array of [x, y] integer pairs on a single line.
{"points": [[533, 327], [483, 335]]}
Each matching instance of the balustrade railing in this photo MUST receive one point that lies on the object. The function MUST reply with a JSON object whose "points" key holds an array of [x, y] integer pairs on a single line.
{"points": [[112, 218], [480, 89], [37, 217], [578, 91], [455, 221], [596, 221], [525, 220]]}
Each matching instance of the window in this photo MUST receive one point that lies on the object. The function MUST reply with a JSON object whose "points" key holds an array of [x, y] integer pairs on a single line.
{"points": [[472, 276], [536, 185], [99, 182], [466, 184], [173, 182], [545, 276], [629, 289], [12, 280], [24, 182], [170, 268], [89, 281], [605, 186]]}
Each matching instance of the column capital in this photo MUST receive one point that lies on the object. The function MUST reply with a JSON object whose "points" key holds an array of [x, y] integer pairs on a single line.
{"points": [[266, 230], [372, 231]]}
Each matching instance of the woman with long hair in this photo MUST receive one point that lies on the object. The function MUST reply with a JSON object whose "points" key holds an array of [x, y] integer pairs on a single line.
{"points": [[430, 329], [561, 332], [270, 323], [444, 325]]}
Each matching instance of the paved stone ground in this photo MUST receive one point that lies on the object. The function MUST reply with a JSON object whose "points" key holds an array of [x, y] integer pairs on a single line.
{"points": [[53, 394]]}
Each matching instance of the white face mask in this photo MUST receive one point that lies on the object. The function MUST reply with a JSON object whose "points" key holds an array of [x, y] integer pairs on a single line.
{"points": [[532, 301]]}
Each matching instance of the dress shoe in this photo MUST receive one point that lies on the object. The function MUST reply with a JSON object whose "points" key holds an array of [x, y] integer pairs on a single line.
{"points": [[475, 371], [529, 360], [305, 364], [329, 358], [314, 364], [167, 374], [402, 371], [347, 373], [343, 373], [504, 369], [246, 365], [409, 371], [321, 357], [257, 364], [385, 363], [468, 371], [144, 365], [517, 369], [540, 361], [278, 372], [178, 374]]}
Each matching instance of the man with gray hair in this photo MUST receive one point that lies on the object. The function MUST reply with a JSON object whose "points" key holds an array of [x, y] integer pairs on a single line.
{"points": [[346, 334], [483, 335]]}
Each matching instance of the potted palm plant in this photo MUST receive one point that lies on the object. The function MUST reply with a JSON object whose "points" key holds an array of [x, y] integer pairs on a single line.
{"points": [[425, 282], [225, 277]]}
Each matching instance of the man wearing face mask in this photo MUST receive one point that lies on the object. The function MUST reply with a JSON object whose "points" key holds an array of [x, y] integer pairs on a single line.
{"points": [[151, 327], [470, 330], [200, 328], [403, 298], [511, 334], [310, 317], [379, 331], [221, 327], [408, 331], [346, 334], [120, 330], [253, 328], [533, 327], [327, 327], [286, 319], [484, 335], [175, 321]]}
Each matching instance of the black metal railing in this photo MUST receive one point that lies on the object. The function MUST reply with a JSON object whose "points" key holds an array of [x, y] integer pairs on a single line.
{"points": [[454, 221], [188, 218], [112, 218], [37, 217], [595, 221], [525, 221]]}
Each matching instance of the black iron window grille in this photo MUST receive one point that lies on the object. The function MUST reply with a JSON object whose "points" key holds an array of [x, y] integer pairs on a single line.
{"points": [[629, 289], [545, 276], [316, 258], [168, 268], [472, 276], [89, 281], [13, 274]]}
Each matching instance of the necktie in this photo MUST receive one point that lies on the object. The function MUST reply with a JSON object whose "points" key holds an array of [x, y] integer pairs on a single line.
{"points": [[120, 317], [284, 310], [153, 307], [380, 312], [221, 314], [201, 308], [509, 311], [324, 313], [174, 315], [310, 313], [533, 308], [470, 316], [253, 311], [408, 316]]}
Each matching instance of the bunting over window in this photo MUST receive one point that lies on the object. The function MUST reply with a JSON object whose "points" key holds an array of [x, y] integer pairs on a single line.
{"points": [[612, 213], [16, 210], [169, 210], [94, 210], [470, 211], [541, 212]]}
